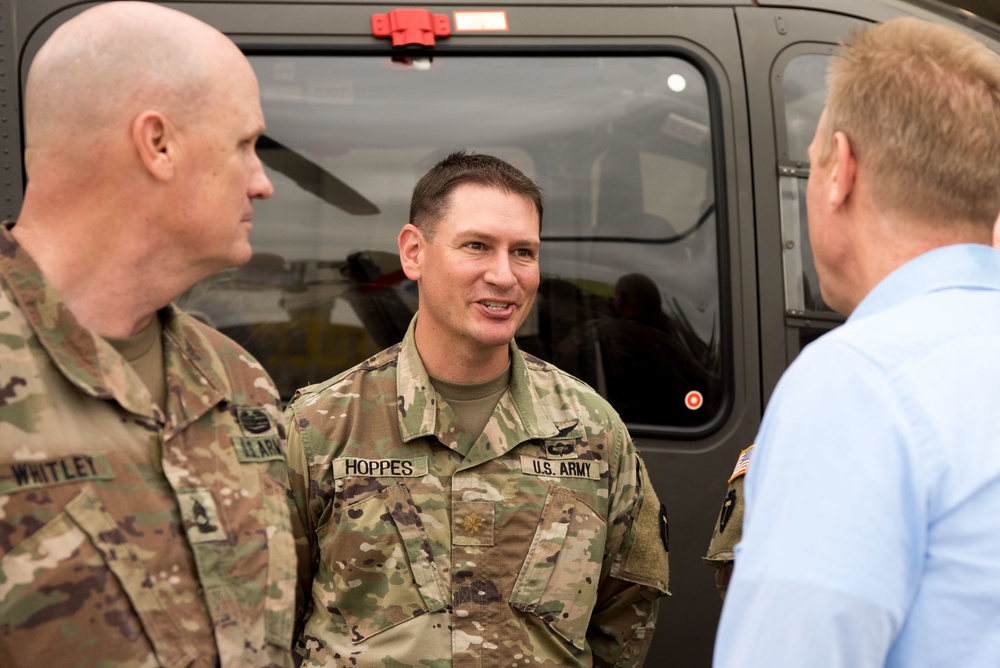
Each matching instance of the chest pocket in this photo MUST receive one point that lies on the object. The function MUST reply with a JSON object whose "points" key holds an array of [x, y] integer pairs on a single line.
{"points": [[377, 554], [79, 570], [243, 580], [559, 578], [238, 526]]}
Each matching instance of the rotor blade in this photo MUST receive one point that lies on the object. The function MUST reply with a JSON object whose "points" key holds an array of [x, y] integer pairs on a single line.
{"points": [[313, 178]]}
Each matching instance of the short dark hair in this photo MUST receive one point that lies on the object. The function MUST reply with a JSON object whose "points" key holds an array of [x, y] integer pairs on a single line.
{"points": [[431, 194]]}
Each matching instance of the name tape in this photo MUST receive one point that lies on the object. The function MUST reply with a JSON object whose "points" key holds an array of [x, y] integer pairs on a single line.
{"points": [[380, 468], [16, 476]]}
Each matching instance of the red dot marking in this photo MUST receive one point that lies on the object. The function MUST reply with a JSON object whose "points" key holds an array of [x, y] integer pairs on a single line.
{"points": [[693, 400]]}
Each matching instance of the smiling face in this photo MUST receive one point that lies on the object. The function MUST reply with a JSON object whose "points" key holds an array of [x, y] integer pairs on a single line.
{"points": [[477, 275]]}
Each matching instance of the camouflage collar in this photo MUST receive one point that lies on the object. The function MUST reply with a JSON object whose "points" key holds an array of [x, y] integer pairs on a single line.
{"points": [[526, 418], [194, 381], [88, 361]]}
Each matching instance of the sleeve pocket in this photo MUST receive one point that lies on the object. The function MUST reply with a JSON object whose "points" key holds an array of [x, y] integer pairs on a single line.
{"points": [[559, 578]]}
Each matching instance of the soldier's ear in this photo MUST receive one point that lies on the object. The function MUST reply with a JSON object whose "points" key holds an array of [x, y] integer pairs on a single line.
{"points": [[153, 137], [411, 244]]}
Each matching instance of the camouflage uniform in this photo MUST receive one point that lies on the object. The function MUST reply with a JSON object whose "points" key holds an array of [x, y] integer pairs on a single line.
{"points": [[111, 554], [729, 527], [542, 543]]}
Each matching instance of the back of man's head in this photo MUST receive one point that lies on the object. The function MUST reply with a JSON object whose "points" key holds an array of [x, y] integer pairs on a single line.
{"points": [[636, 296], [430, 199], [920, 105]]}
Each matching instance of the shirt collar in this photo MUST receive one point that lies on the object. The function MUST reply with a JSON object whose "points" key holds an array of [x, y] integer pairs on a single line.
{"points": [[418, 410], [91, 363], [959, 265]]}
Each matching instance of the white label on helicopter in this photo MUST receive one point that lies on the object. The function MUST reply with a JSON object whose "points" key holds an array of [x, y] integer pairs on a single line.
{"points": [[493, 21]]}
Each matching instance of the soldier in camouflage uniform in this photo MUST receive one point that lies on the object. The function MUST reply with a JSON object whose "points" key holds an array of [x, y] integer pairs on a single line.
{"points": [[467, 504], [729, 526], [144, 514]]}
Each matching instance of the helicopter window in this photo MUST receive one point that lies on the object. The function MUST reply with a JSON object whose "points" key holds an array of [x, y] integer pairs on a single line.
{"points": [[805, 96], [622, 147], [801, 280], [804, 91]]}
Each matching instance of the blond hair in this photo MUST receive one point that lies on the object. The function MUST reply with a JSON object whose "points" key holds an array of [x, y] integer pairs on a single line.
{"points": [[920, 105]]}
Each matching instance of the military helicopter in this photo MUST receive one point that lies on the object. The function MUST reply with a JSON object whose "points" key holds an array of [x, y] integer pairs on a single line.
{"points": [[669, 139]]}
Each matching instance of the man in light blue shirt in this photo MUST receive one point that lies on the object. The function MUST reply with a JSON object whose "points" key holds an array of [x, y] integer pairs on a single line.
{"points": [[872, 533]]}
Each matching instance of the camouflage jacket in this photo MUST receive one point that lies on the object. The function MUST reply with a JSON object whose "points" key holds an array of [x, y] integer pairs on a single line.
{"points": [[728, 529], [128, 537], [542, 543]]}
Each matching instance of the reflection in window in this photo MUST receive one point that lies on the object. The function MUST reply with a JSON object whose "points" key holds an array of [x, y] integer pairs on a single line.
{"points": [[801, 279], [805, 96], [622, 148], [804, 88]]}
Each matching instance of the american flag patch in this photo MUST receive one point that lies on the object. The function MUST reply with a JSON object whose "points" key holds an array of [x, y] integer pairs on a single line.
{"points": [[741, 464]]}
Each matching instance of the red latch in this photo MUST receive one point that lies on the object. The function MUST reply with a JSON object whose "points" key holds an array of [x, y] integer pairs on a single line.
{"points": [[411, 26]]}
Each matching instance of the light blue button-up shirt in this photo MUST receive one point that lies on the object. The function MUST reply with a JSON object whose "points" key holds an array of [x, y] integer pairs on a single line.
{"points": [[872, 529]]}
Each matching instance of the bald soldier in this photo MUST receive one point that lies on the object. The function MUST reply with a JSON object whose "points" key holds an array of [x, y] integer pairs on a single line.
{"points": [[143, 513]]}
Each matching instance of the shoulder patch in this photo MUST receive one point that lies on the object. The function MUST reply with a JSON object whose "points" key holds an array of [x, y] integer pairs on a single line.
{"points": [[742, 464], [644, 558]]}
